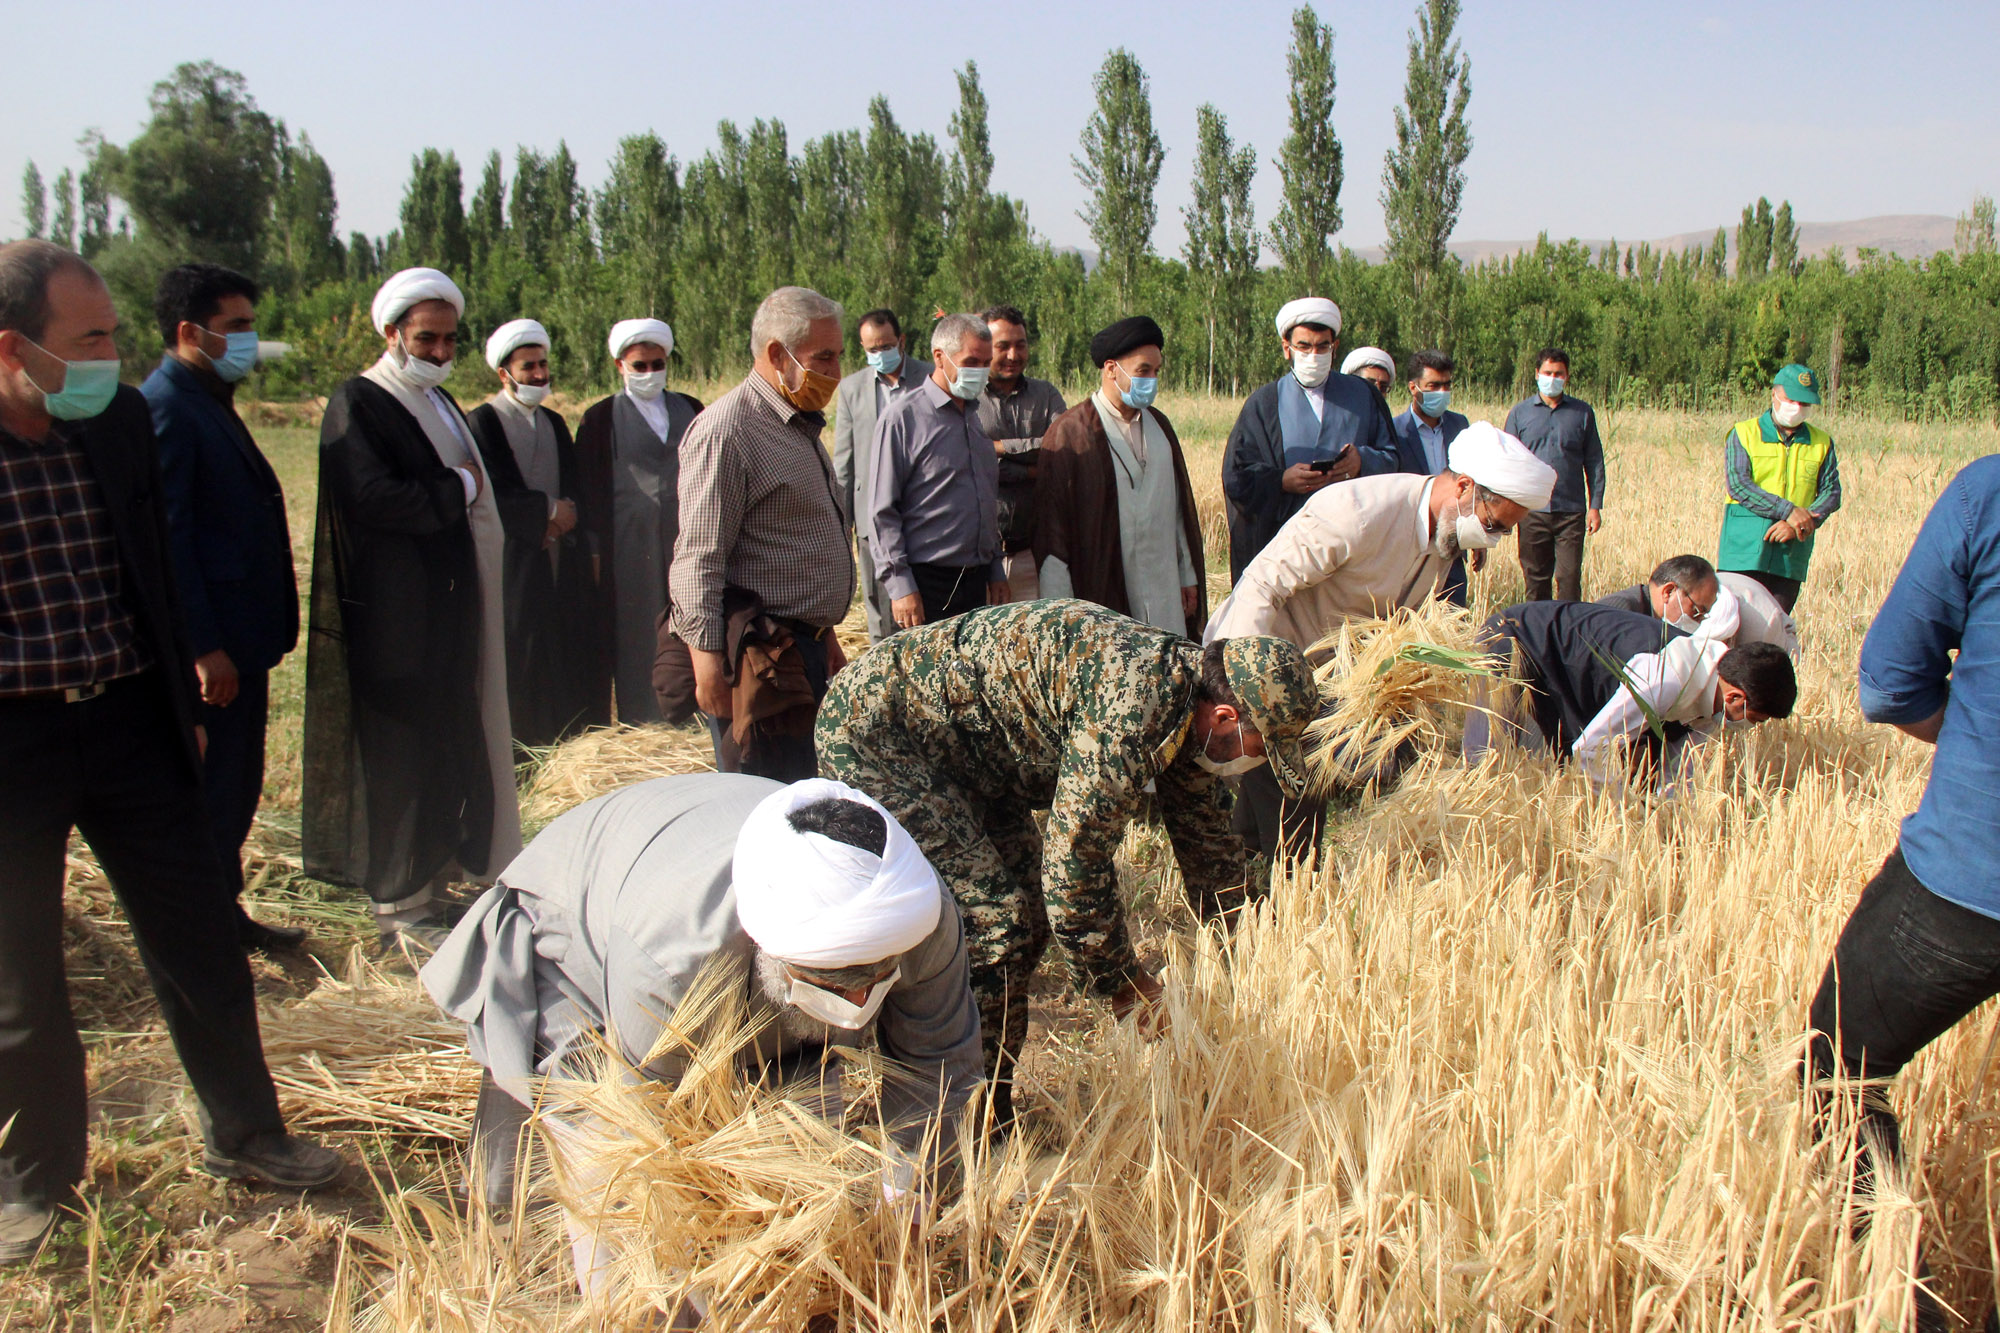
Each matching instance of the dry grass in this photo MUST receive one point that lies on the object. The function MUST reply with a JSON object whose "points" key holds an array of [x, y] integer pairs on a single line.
{"points": [[1519, 1055], [607, 758]]}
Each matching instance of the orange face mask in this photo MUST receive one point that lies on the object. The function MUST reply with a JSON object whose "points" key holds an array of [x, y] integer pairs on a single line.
{"points": [[815, 390]]}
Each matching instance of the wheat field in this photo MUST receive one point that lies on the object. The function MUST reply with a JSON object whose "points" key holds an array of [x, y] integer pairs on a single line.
{"points": [[1515, 1055]]}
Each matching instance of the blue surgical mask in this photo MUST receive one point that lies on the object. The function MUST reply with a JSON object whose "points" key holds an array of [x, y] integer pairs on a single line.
{"points": [[1144, 388], [87, 388], [238, 358], [887, 361], [1551, 386], [1434, 402], [970, 382]]}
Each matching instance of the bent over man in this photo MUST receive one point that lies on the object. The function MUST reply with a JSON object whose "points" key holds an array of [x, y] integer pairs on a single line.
{"points": [[965, 728], [825, 914]]}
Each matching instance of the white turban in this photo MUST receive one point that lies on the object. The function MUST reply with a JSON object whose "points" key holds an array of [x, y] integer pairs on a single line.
{"points": [[628, 331], [1502, 464], [510, 337], [1368, 356], [1308, 310], [395, 297], [808, 899], [1723, 620]]}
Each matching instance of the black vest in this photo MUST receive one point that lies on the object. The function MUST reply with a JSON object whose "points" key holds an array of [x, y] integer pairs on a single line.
{"points": [[1568, 650]]}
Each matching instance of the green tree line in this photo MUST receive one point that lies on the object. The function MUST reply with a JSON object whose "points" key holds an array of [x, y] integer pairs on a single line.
{"points": [[879, 215]]}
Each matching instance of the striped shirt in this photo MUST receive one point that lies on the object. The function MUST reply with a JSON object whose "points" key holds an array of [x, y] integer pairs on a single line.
{"points": [[63, 619], [759, 511]]}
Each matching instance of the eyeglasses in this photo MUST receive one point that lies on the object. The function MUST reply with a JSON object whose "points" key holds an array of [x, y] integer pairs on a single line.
{"points": [[640, 367]]}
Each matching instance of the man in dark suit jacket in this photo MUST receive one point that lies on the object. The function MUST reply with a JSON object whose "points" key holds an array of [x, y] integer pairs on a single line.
{"points": [[1424, 431], [98, 734], [232, 548]]}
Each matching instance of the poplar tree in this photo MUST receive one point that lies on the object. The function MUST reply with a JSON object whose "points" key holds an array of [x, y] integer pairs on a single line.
{"points": [[1309, 161], [638, 219], [1784, 241], [895, 243], [1221, 248], [34, 202], [980, 227], [1975, 232], [771, 193], [302, 248], [486, 216], [433, 214], [1753, 240], [1423, 176], [1120, 165], [830, 202], [1718, 255]]}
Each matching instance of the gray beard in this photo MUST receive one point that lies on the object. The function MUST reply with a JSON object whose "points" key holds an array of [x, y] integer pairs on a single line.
{"points": [[776, 988]]}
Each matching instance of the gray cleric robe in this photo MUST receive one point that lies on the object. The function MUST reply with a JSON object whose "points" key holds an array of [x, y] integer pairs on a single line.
{"points": [[604, 923], [641, 485]]}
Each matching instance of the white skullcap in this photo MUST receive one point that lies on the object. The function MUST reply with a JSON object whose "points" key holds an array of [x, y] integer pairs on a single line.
{"points": [[628, 331], [512, 335], [1308, 310], [1368, 356], [1502, 464], [808, 899], [395, 297]]}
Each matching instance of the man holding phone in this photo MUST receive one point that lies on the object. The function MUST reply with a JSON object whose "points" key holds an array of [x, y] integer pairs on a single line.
{"points": [[1306, 430]]}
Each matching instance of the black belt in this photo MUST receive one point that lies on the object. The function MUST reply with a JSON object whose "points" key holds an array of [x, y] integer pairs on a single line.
{"points": [[75, 694], [802, 628]]}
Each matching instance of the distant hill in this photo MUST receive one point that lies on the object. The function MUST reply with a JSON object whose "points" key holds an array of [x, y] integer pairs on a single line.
{"points": [[1912, 235]]}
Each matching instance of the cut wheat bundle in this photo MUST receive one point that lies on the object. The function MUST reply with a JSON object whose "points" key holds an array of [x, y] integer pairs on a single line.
{"points": [[1405, 678]]}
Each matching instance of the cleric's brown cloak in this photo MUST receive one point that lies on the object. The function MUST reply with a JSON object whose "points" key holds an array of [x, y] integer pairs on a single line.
{"points": [[1076, 510]]}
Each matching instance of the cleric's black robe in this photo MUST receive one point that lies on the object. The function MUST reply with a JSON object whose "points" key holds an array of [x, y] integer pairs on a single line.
{"points": [[397, 783], [558, 681]]}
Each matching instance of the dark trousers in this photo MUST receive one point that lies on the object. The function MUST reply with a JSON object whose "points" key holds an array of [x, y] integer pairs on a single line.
{"points": [[232, 770], [950, 590], [783, 758], [1785, 590], [1908, 966], [1550, 547], [114, 769], [1268, 822]]}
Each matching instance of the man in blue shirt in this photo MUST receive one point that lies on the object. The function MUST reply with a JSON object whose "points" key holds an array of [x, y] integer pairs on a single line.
{"points": [[1563, 433], [1922, 948], [1424, 431], [232, 548]]}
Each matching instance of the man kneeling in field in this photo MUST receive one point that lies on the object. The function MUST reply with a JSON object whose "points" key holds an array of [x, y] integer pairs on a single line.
{"points": [[601, 926], [1596, 678]]}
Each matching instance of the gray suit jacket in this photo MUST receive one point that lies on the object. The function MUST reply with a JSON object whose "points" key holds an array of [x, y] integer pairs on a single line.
{"points": [[854, 429]]}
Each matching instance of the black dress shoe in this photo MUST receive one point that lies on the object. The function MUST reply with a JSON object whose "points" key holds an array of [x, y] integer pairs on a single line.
{"points": [[257, 937], [283, 1161]]}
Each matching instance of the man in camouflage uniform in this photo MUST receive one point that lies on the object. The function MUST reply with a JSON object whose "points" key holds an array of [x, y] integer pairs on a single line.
{"points": [[964, 728]]}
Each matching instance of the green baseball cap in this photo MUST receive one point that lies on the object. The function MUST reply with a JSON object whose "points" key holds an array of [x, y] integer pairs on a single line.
{"points": [[1800, 385], [1274, 684]]}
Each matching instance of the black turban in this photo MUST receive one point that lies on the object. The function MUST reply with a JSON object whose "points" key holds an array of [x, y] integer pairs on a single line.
{"points": [[1125, 336]]}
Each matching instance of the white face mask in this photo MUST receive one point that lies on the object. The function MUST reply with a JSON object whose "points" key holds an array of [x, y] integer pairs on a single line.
{"points": [[1789, 414], [530, 395], [646, 385], [1312, 368], [1551, 386], [1463, 533], [424, 374], [819, 1003], [1224, 768]]}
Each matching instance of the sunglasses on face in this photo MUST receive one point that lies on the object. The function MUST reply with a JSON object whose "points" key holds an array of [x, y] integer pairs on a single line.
{"points": [[642, 367]]}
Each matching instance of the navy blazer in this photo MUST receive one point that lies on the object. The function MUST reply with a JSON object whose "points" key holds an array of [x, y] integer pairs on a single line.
{"points": [[232, 548], [1410, 449]]}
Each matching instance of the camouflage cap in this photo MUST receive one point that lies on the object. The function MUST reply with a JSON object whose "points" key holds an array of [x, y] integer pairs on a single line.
{"points": [[1274, 684]]}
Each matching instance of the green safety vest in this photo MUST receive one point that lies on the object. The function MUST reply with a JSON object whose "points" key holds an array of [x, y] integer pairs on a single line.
{"points": [[1788, 471]]}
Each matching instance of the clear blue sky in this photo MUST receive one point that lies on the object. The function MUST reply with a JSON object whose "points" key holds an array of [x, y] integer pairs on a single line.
{"points": [[1588, 119]]}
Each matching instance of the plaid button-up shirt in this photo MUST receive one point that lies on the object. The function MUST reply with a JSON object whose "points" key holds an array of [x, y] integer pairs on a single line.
{"points": [[759, 511], [63, 619]]}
